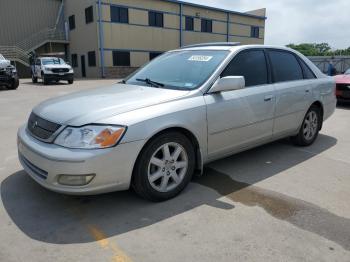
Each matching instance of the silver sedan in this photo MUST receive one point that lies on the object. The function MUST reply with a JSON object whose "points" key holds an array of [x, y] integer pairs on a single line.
{"points": [[187, 107]]}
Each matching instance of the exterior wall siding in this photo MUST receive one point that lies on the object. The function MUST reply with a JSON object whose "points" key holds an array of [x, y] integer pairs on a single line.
{"points": [[23, 18], [84, 38], [138, 38]]}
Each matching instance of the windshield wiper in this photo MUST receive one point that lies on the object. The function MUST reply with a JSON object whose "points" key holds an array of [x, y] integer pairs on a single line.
{"points": [[150, 82]]}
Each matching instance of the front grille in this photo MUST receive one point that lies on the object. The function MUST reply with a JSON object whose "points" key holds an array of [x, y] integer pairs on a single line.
{"points": [[36, 170], [40, 127], [60, 70]]}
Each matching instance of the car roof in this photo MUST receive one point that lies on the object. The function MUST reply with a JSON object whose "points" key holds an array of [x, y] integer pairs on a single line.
{"points": [[231, 47]]}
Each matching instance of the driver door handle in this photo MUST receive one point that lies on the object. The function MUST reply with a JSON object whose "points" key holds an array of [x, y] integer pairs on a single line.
{"points": [[268, 98]]}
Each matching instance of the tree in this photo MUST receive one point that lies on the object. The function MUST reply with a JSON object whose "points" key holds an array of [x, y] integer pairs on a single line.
{"points": [[318, 49]]}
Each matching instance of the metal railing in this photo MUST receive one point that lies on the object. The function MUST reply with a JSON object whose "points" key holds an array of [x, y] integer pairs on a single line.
{"points": [[21, 50], [15, 53], [38, 39]]}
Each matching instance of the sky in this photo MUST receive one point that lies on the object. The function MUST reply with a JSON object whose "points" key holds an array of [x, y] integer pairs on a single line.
{"points": [[298, 21]]}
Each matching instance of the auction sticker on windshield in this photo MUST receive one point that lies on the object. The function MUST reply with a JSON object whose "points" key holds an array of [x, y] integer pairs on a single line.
{"points": [[200, 58]]}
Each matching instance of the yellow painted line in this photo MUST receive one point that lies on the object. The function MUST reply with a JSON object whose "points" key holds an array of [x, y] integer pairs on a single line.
{"points": [[118, 254]]}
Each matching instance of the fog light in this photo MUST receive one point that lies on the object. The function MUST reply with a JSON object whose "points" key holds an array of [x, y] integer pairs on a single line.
{"points": [[75, 180]]}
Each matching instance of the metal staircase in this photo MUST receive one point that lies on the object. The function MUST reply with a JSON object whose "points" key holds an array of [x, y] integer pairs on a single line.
{"points": [[19, 52], [15, 53]]}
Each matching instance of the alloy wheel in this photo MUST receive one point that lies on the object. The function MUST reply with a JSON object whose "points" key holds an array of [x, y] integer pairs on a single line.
{"points": [[310, 125], [167, 167]]}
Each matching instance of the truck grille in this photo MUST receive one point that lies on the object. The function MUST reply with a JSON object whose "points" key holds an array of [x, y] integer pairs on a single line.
{"points": [[60, 70], [41, 128]]}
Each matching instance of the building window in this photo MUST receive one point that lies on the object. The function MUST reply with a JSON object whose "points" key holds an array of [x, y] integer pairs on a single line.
{"points": [[189, 26], [155, 19], [207, 25], [153, 55], [92, 58], [71, 21], [74, 60], [254, 31], [119, 15], [121, 58], [89, 15]]}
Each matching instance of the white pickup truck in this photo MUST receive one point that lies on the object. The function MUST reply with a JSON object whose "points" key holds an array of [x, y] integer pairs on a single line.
{"points": [[51, 69], [8, 74]]}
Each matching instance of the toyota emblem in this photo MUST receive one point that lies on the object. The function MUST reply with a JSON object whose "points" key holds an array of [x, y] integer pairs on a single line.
{"points": [[35, 124]]}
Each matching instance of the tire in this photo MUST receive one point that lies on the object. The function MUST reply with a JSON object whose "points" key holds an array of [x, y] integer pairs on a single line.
{"points": [[34, 79], [14, 84], [308, 132], [171, 174], [70, 81], [45, 80]]}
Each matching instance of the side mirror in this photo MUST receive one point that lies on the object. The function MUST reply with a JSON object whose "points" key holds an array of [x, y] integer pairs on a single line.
{"points": [[228, 83]]}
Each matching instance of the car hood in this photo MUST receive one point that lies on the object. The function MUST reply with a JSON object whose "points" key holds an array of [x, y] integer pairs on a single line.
{"points": [[87, 107], [4, 63], [342, 79]]}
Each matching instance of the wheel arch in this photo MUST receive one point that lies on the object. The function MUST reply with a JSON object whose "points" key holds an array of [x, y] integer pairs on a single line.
{"points": [[186, 132], [319, 104]]}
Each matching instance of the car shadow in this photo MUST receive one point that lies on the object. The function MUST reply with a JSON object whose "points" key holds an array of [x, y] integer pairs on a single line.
{"points": [[54, 218], [39, 83], [4, 88], [343, 105]]}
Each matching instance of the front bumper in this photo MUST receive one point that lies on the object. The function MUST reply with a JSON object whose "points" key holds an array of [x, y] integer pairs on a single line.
{"points": [[46, 162], [343, 92], [54, 76], [7, 80]]}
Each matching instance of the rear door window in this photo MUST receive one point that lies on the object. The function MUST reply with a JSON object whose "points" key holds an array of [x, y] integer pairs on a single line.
{"points": [[250, 64], [285, 66], [308, 74]]}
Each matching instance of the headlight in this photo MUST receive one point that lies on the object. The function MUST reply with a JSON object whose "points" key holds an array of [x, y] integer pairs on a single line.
{"points": [[47, 68], [90, 136]]}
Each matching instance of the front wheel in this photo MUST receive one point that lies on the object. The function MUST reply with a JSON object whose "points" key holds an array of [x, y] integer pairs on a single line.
{"points": [[34, 79], [165, 167], [70, 81], [45, 80], [14, 84], [310, 127]]}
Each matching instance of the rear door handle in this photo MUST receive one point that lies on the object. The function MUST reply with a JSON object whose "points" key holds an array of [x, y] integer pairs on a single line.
{"points": [[268, 98]]}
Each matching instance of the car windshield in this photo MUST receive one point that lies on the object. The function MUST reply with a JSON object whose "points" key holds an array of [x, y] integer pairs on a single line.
{"points": [[347, 72], [53, 61], [1, 57], [181, 70]]}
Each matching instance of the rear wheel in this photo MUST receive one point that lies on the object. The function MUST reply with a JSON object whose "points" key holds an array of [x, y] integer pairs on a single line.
{"points": [[310, 127], [165, 167]]}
